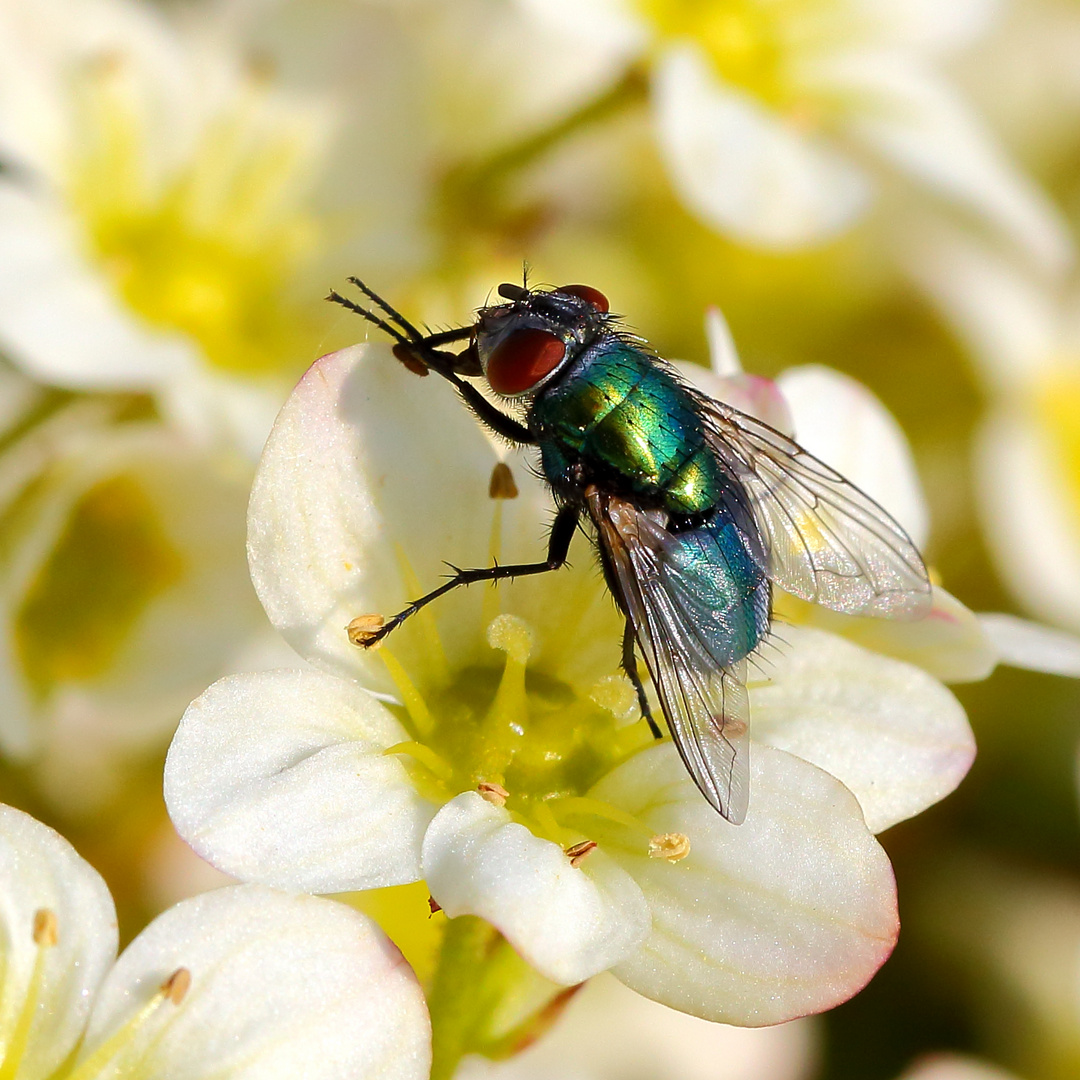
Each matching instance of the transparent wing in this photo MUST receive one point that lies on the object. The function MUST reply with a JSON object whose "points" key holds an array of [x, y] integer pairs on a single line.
{"points": [[699, 682], [826, 541]]}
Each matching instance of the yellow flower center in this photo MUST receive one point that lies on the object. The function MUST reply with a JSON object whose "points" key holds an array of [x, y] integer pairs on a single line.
{"points": [[521, 734], [110, 561], [208, 244]]}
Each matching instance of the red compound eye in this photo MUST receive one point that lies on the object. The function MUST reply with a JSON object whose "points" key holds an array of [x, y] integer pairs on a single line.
{"points": [[589, 294], [523, 359]]}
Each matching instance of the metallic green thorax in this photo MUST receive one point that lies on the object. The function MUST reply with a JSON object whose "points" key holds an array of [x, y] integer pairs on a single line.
{"points": [[632, 426]]}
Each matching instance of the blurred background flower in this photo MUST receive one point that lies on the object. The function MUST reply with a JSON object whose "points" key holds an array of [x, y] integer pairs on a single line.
{"points": [[881, 187]]}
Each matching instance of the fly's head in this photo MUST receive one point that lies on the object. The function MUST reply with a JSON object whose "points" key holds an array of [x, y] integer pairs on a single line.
{"points": [[524, 344]]}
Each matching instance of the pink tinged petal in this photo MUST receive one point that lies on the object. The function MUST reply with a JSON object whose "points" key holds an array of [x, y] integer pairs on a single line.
{"points": [[59, 322], [950, 642], [1031, 529], [1028, 645], [569, 922], [753, 394], [366, 464], [56, 914], [280, 777], [893, 735], [915, 121], [280, 986], [789, 913], [745, 170], [841, 422]]}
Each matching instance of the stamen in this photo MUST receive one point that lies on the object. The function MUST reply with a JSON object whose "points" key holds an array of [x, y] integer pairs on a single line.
{"points": [[427, 757], [495, 794], [578, 805], [577, 852], [45, 936], [617, 695], [173, 990], [502, 485], [672, 846], [411, 698], [176, 986], [433, 653], [46, 930], [363, 629], [508, 715]]}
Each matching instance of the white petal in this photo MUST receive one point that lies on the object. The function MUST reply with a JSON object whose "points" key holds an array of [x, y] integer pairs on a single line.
{"points": [[41, 872], [641, 1038], [949, 642], [840, 421], [1009, 319], [58, 320], [789, 913], [568, 922], [927, 25], [955, 1067], [279, 777], [888, 731], [1028, 645], [723, 354], [914, 120], [741, 168], [1024, 497], [365, 463], [281, 986]]}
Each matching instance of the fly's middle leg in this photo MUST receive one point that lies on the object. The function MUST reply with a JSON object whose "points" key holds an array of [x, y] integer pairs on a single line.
{"points": [[629, 665], [364, 634]]}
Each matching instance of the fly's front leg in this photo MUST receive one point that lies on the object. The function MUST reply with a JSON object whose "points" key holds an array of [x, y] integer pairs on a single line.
{"points": [[368, 630], [629, 665]]}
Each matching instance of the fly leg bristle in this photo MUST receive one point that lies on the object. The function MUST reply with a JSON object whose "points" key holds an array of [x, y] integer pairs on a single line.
{"points": [[382, 324], [395, 315]]}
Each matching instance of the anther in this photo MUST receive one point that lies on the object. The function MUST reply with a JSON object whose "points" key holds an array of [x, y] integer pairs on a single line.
{"points": [[672, 846], [578, 851], [495, 794], [502, 484], [46, 930], [364, 630], [176, 986]]}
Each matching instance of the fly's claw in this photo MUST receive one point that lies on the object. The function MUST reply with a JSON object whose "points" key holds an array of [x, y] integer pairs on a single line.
{"points": [[407, 355]]}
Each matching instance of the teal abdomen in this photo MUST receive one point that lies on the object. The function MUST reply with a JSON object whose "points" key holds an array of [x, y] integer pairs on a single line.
{"points": [[626, 419]]}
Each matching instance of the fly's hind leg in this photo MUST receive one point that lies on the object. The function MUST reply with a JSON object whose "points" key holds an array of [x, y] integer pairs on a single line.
{"points": [[367, 630], [629, 665]]}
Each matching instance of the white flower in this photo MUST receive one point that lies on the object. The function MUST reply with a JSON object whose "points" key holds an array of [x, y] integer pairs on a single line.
{"points": [[779, 122], [514, 739], [152, 214], [123, 587], [1024, 336], [242, 982]]}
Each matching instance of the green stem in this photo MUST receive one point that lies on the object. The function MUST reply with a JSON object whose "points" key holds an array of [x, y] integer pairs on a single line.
{"points": [[454, 1002]]}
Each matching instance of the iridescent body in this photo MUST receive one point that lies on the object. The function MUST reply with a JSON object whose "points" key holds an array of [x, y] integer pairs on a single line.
{"points": [[618, 419], [697, 509]]}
